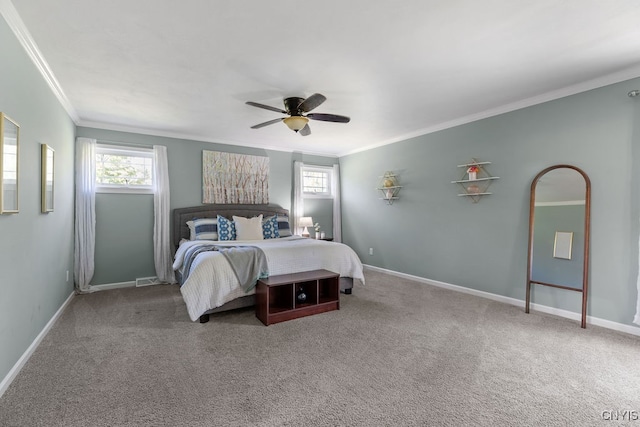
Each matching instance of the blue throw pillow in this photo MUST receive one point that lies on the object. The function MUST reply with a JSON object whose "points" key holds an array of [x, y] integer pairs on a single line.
{"points": [[270, 228], [284, 230], [204, 228], [226, 229]]}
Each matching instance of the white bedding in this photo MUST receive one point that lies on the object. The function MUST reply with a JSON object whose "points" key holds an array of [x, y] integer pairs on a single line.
{"points": [[212, 282]]}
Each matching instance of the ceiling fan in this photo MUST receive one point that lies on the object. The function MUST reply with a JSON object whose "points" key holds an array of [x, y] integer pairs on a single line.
{"points": [[298, 111]]}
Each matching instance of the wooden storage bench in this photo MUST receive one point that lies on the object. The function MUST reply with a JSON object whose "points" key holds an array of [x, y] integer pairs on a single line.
{"points": [[276, 296]]}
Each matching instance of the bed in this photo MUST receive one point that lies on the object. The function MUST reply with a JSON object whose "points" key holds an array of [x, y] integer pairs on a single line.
{"points": [[207, 281]]}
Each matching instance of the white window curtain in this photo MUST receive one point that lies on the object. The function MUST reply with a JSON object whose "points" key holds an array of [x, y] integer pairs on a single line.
{"points": [[85, 224], [298, 201], [337, 214], [636, 319], [161, 212]]}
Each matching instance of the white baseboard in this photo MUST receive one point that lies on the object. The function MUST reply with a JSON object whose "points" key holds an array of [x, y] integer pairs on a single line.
{"points": [[596, 321], [107, 286], [6, 382], [139, 282]]}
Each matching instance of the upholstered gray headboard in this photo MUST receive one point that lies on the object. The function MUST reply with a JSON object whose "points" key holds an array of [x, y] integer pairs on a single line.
{"points": [[182, 215]]}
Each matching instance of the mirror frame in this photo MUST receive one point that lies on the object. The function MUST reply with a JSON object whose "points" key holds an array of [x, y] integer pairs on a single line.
{"points": [[4, 122], [47, 178], [587, 222]]}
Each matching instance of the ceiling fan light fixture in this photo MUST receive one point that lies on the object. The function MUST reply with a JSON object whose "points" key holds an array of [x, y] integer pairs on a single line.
{"points": [[295, 123]]}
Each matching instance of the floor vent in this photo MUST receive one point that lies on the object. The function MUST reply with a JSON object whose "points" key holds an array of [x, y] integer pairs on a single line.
{"points": [[146, 281]]}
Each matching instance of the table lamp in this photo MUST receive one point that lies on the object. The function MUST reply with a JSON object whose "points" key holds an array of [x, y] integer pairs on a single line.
{"points": [[306, 221]]}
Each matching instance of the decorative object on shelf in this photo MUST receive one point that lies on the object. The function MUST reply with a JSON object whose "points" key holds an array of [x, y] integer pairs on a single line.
{"points": [[301, 295], [389, 187], [472, 171], [9, 153], [473, 189], [306, 221], [476, 180]]}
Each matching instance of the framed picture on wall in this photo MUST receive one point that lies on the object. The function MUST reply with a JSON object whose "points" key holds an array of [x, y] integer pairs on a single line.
{"points": [[46, 173], [9, 140], [562, 244]]}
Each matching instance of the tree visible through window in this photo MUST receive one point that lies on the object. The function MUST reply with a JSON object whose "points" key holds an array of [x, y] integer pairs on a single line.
{"points": [[123, 168], [316, 181]]}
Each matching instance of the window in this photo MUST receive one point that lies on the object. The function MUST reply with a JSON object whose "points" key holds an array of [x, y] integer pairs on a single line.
{"points": [[123, 169], [316, 181]]}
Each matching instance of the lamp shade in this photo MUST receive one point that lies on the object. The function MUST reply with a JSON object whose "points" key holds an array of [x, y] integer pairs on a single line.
{"points": [[295, 123], [306, 221]]}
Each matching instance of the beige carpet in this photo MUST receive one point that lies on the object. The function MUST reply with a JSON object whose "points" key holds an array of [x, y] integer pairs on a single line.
{"points": [[398, 353]]}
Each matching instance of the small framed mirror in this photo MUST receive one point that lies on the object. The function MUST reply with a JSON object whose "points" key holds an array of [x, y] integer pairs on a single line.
{"points": [[9, 140], [47, 178]]}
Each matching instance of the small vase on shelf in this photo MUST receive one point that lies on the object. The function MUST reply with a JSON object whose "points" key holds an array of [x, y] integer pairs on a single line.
{"points": [[473, 171], [389, 194]]}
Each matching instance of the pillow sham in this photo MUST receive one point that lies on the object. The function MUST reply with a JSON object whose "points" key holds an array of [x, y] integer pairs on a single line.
{"points": [[270, 228], [284, 230], [203, 228], [226, 229], [248, 228], [192, 230]]}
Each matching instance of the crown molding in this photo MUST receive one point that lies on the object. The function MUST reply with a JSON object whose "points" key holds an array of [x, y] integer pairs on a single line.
{"points": [[177, 135], [10, 14]]}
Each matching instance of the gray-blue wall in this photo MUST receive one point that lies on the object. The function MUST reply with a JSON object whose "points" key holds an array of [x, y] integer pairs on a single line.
{"points": [[432, 233], [36, 249], [124, 222]]}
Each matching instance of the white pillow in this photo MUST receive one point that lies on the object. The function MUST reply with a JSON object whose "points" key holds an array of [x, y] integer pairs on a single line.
{"points": [[248, 228], [192, 230]]}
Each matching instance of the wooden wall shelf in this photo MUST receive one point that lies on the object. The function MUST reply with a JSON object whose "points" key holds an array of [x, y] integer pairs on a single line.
{"points": [[389, 187], [475, 181]]}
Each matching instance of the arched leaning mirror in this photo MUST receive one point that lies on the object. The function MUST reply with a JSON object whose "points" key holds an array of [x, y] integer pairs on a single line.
{"points": [[559, 217]]}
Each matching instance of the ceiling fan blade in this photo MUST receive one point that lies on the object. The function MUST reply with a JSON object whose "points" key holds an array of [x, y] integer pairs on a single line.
{"points": [[306, 130], [328, 117], [311, 102], [270, 122], [266, 107]]}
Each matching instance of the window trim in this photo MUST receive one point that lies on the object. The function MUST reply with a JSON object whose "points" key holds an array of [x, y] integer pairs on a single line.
{"points": [[324, 169], [103, 148]]}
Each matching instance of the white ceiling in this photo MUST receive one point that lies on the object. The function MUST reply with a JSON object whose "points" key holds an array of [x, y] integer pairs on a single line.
{"points": [[398, 69]]}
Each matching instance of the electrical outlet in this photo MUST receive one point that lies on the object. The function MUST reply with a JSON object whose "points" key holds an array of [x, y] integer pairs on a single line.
{"points": [[370, 251], [67, 275]]}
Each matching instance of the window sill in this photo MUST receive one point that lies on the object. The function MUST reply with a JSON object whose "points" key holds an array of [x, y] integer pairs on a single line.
{"points": [[124, 190], [316, 196]]}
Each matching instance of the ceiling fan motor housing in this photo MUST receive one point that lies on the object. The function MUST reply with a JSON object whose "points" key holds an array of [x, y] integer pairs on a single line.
{"points": [[291, 105]]}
